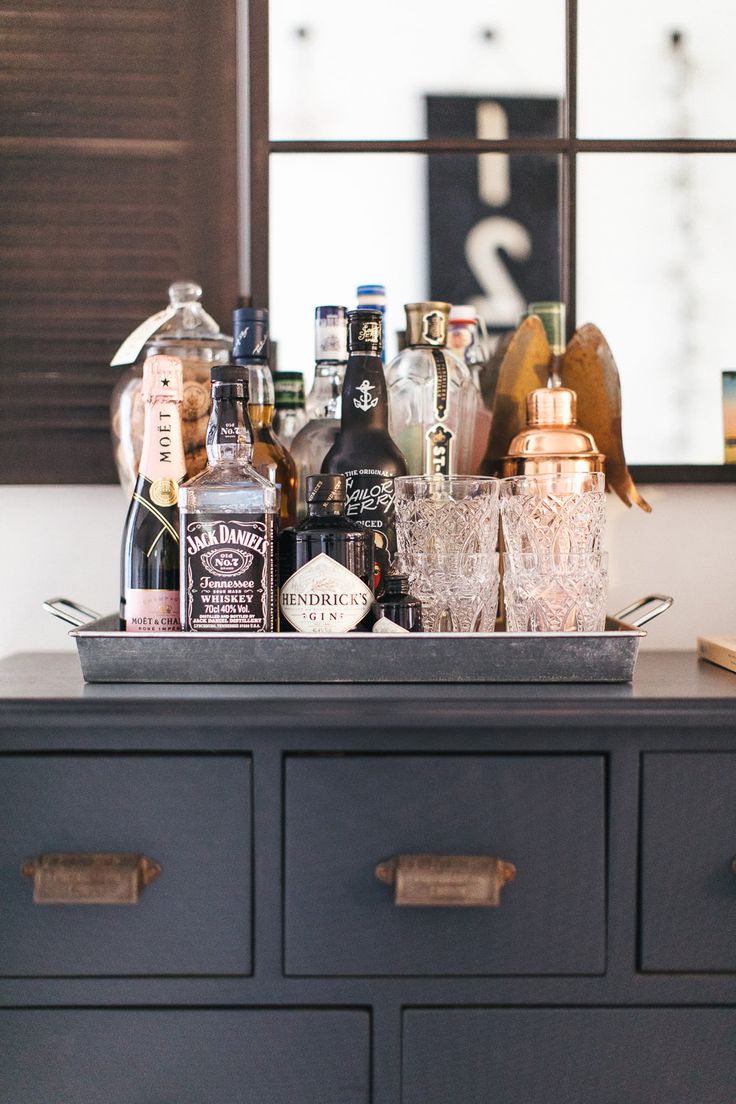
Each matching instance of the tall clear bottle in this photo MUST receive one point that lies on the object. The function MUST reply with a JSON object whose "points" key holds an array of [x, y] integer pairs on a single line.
{"points": [[324, 401], [464, 340], [432, 396], [364, 451], [249, 366], [228, 525], [149, 590]]}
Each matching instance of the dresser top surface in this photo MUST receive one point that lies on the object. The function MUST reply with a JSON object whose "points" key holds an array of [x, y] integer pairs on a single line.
{"points": [[660, 677]]}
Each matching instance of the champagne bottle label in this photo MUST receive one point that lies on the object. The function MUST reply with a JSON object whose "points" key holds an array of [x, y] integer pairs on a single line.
{"points": [[325, 597], [151, 610], [370, 502], [229, 572]]}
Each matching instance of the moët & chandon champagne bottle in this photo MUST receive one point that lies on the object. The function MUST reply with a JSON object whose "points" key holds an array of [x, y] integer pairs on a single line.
{"points": [[149, 592]]}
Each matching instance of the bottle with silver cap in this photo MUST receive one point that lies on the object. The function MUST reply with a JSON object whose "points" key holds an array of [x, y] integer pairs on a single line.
{"points": [[324, 401], [433, 400]]}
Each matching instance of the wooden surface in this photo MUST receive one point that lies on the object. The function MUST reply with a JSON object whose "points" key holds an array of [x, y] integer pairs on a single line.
{"points": [[119, 176]]}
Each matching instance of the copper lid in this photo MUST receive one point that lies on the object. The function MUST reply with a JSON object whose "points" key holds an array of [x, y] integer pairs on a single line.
{"points": [[552, 439], [551, 406], [426, 323]]}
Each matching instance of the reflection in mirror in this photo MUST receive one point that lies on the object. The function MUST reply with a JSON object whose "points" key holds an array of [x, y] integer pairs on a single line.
{"points": [[663, 69], [656, 274], [343, 70], [445, 226]]}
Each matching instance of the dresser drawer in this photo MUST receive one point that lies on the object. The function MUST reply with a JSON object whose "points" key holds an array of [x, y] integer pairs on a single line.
{"points": [[190, 814], [543, 814], [575, 1056], [688, 909], [186, 1057]]}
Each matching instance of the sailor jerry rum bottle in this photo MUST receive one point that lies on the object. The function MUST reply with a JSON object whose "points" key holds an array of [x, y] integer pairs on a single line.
{"points": [[364, 451], [433, 398], [228, 519], [149, 598]]}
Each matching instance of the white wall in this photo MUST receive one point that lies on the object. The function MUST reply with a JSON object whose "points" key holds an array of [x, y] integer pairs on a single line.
{"points": [[65, 541]]}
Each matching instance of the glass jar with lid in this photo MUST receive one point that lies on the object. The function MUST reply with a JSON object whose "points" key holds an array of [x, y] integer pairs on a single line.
{"points": [[184, 330]]}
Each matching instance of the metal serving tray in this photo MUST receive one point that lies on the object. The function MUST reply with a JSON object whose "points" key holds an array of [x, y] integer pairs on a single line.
{"points": [[108, 655]]}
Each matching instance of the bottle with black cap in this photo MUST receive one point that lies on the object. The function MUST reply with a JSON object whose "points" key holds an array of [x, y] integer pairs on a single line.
{"points": [[227, 528], [249, 366], [398, 605], [364, 451], [326, 565]]}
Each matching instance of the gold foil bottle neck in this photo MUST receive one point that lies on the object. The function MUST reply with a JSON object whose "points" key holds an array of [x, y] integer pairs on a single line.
{"points": [[552, 316], [162, 378], [551, 406], [426, 323]]}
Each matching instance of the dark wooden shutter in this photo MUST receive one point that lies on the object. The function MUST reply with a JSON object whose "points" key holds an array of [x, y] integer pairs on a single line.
{"points": [[117, 176]]}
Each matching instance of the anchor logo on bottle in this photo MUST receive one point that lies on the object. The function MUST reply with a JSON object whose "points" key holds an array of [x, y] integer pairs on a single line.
{"points": [[365, 402]]}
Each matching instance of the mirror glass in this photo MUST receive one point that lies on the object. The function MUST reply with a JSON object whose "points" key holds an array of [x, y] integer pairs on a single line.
{"points": [[656, 274], [341, 69], [426, 226], [660, 69]]}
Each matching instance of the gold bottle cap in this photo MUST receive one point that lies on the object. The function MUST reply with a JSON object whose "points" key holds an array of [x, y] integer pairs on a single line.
{"points": [[162, 378], [552, 316], [426, 323]]}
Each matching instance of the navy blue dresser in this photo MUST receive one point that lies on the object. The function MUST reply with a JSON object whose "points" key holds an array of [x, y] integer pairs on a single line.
{"points": [[263, 957]]}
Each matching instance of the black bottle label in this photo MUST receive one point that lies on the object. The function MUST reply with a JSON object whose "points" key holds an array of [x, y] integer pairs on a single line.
{"points": [[229, 572], [370, 503]]}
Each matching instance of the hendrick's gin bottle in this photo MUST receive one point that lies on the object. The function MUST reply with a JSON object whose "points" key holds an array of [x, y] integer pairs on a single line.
{"points": [[326, 565], [364, 451]]}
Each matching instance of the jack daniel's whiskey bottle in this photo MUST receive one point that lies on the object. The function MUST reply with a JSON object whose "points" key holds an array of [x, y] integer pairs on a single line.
{"points": [[149, 595], [364, 451], [228, 518]]}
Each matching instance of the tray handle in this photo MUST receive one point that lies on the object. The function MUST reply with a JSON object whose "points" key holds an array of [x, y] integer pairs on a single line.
{"points": [[70, 612], [663, 603]]}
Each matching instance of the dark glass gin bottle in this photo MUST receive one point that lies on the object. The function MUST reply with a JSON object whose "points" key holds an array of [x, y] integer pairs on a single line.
{"points": [[149, 592], [326, 565], [364, 451], [228, 521]]}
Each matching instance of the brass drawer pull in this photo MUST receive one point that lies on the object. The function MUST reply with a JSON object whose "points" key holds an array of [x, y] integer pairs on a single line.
{"points": [[446, 880], [96, 878]]}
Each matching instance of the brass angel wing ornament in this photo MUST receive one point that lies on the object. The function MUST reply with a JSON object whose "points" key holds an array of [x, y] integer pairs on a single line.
{"points": [[589, 369]]}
